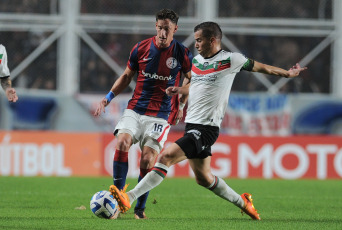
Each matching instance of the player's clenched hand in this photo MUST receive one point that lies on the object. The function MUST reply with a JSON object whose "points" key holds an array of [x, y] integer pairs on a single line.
{"points": [[170, 91], [11, 95], [101, 107], [295, 70]]}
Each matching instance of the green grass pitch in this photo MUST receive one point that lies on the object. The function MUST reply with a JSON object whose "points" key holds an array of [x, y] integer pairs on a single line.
{"points": [[50, 202]]}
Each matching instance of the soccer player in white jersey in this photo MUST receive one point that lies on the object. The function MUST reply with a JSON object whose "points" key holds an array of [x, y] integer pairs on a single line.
{"points": [[212, 75], [5, 81]]}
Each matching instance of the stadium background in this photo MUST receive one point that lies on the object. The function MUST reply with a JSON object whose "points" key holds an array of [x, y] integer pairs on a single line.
{"points": [[65, 55]]}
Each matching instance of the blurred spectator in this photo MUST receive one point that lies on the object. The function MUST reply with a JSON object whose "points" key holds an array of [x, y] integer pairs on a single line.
{"points": [[94, 72], [274, 8], [264, 48], [40, 74], [136, 7], [29, 6]]}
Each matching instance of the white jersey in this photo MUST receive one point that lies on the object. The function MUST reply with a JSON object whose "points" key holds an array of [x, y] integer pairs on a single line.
{"points": [[4, 71], [211, 82]]}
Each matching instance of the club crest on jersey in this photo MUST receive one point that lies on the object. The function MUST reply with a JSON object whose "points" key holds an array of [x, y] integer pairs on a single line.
{"points": [[171, 63], [205, 65]]}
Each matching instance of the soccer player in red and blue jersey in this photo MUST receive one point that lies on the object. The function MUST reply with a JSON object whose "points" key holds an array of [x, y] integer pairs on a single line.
{"points": [[159, 62]]}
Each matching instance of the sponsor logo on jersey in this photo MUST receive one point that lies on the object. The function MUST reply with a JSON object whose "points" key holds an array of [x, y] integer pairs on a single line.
{"points": [[156, 76], [146, 59], [171, 63], [204, 78]]}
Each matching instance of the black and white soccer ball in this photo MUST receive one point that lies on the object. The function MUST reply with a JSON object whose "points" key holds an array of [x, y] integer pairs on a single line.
{"points": [[103, 205]]}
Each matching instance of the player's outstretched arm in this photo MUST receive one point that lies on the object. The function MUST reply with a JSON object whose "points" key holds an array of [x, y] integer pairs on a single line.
{"points": [[11, 94], [295, 70], [273, 70], [119, 85]]}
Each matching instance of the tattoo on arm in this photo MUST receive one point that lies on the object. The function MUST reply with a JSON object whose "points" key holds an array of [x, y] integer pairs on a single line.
{"points": [[5, 83]]}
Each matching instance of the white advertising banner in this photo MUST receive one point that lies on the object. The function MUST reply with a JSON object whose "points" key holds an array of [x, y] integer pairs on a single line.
{"points": [[257, 114]]}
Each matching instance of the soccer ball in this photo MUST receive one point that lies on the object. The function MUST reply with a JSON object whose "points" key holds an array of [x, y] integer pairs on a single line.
{"points": [[103, 205]]}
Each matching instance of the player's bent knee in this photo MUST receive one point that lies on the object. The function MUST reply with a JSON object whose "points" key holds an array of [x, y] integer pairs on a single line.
{"points": [[124, 144]]}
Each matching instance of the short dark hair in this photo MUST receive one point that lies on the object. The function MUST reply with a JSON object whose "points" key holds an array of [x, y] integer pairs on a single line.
{"points": [[209, 29], [167, 14]]}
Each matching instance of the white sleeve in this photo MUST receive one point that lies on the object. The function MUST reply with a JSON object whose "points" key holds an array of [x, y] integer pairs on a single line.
{"points": [[4, 71], [238, 60]]}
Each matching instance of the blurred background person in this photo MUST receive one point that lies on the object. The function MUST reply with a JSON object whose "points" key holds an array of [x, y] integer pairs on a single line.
{"points": [[6, 82]]}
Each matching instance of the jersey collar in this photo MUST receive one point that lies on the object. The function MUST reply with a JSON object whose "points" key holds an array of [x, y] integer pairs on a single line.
{"points": [[213, 55]]}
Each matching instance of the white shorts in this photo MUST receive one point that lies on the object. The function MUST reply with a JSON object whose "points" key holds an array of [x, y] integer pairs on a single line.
{"points": [[149, 131]]}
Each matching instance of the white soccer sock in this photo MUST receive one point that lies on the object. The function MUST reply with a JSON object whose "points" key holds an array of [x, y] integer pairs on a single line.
{"points": [[221, 189], [150, 181]]}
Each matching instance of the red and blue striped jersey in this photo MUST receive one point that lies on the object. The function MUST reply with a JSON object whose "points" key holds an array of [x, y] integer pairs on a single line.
{"points": [[158, 69]]}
